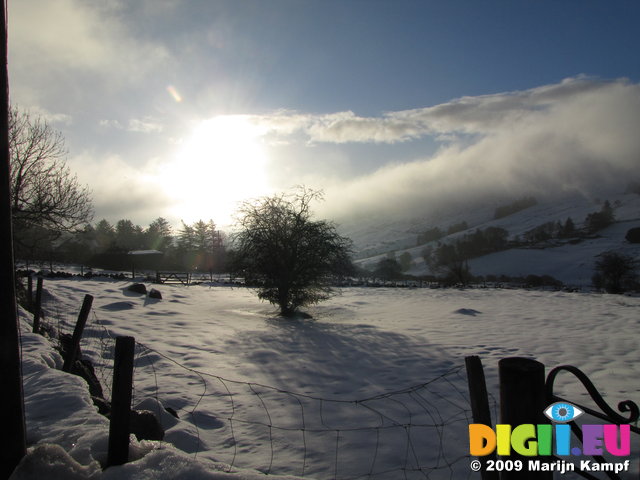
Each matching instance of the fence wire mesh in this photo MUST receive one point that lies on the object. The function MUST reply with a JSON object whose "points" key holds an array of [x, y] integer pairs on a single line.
{"points": [[411, 433]]}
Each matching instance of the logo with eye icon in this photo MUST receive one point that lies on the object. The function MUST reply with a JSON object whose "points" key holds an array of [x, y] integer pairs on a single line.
{"points": [[562, 412]]}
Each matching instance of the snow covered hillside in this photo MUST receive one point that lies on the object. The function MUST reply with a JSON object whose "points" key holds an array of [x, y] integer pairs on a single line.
{"points": [[569, 261], [371, 387]]}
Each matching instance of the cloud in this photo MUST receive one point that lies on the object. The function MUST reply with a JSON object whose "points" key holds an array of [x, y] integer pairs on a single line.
{"points": [[576, 136], [75, 35], [70, 55], [122, 191], [144, 125], [467, 115]]}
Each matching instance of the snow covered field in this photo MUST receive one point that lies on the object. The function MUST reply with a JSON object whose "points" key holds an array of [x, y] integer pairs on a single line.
{"points": [[373, 384]]}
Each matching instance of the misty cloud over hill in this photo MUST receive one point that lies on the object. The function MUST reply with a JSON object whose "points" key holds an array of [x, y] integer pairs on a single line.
{"points": [[579, 136]]}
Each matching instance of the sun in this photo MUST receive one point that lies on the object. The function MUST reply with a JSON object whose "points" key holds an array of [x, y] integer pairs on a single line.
{"points": [[222, 162]]}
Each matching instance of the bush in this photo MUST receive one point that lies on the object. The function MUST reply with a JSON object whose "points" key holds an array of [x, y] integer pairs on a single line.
{"points": [[633, 235]]}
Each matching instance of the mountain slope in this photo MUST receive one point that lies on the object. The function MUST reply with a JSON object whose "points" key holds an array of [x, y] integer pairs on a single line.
{"points": [[568, 260]]}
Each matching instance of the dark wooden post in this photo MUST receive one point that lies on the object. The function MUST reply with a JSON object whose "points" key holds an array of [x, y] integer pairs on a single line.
{"points": [[77, 333], [11, 401], [30, 290], [480, 406], [522, 401], [121, 401], [37, 307]]}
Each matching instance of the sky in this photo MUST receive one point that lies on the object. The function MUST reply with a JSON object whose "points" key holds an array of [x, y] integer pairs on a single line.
{"points": [[183, 109]]}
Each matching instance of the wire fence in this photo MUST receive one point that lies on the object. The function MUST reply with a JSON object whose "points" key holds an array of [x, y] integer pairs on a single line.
{"points": [[411, 433]]}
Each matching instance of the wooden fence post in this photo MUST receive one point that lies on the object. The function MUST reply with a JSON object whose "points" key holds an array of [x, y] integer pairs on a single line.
{"points": [[30, 290], [522, 401], [121, 401], [480, 406], [77, 333], [37, 306]]}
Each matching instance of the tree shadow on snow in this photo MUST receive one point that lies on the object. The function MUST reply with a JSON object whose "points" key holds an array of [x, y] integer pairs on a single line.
{"points": [[342, 359]]}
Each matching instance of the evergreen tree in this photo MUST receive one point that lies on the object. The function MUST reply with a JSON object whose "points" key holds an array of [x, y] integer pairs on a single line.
{"points": [[128, 235], [568, 229], [105, 235], [158, 235], [598, 220]]}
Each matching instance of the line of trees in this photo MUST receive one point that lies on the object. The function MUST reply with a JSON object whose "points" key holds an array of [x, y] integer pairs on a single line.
{"points": [[551, 230], [197, 246]]}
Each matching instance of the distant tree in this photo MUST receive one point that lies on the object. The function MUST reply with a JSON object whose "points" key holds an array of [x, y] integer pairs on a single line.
{"points": [[78, 247], [541, 233], [495, 238], [158, 236], [514, 207], [290, 257], [201, 246], [186, 238], [615, 272], [429, 235], [208, 246], [44, 193], [405, 259], [453, 264], [457, 227], [105, 235], [128, 236], [427, 255], [568, 229], [202, 235], [599, 220], [388, 269]]}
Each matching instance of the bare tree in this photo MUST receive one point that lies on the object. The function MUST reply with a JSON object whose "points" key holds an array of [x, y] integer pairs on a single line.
{"points": [[44, 192], [615, 272], [288, 256]]}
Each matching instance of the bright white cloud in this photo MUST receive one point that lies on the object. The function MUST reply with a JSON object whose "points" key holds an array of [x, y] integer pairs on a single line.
{"points": [[72, 34], [143, 125], [468, 115], [120, 190], [66, 49]]}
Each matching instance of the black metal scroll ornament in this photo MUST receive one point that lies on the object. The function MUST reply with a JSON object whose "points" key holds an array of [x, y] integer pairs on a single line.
{"points": [[608, 413]]}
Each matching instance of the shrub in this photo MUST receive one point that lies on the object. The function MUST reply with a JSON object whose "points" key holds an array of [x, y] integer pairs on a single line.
{"points": [[633, 235]]}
